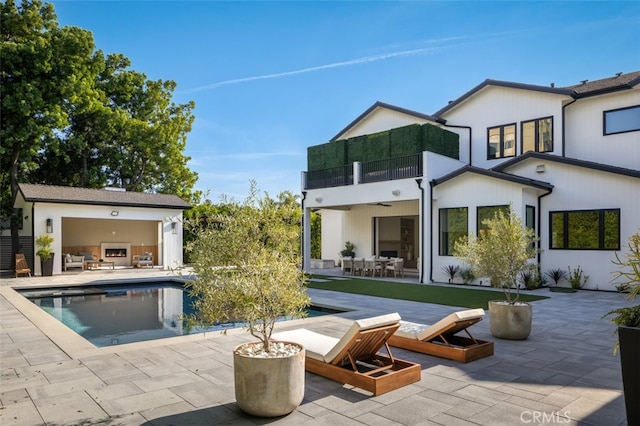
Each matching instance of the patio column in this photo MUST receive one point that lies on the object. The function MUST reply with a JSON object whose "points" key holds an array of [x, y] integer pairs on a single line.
{"points": [[306, 238]]}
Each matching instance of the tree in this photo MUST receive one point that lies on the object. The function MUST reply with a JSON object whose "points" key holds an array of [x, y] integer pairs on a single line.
{"points": [[247, 265], [43, 68], [501, 252]]}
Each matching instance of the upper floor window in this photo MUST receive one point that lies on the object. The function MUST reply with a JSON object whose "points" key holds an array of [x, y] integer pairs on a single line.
{"points": [[453, 228], [502, 141], [622, 120], [537, 135], [585, 229]]}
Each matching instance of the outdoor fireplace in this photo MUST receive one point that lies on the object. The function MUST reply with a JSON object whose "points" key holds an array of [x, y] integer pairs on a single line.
{"points": [[118, 253], [115, 252]]}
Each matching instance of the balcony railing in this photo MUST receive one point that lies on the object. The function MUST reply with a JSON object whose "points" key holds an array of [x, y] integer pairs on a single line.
{"points": [[391, 168], [327, 178], [371, 171]]}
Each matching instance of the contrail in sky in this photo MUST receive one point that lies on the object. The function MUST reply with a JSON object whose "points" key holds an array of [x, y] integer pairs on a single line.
{"points": [[366, 59]]}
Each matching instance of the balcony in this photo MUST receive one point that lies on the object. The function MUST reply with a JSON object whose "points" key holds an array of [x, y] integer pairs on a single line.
{"points": [[366, 172]]}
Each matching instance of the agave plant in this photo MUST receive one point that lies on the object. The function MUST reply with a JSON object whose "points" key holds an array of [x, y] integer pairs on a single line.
{"points": [[451, 271], [556, 274]]}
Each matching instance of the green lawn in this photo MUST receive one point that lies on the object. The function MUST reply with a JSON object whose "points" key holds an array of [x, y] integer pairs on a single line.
{"points": [[441, 295]]}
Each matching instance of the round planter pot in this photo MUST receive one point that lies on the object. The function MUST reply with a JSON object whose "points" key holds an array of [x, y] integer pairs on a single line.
{"points": [[269, 387], [511, 322]]}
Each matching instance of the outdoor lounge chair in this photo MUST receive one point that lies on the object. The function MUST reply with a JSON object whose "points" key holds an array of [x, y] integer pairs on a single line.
{"points": [[347, 265], [440, 339], [354, 359], [21, 265]]}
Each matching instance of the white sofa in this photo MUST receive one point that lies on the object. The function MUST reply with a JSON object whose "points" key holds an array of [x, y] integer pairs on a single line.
{"points": [[71, 261], [140, 260]]}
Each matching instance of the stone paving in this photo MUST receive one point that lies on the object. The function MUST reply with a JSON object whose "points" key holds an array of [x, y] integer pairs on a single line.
{"points": [[564, 373]]}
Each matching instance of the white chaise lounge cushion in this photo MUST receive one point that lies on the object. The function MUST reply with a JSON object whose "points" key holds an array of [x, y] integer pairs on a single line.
{"points": [[412, 330], [325, 348]]}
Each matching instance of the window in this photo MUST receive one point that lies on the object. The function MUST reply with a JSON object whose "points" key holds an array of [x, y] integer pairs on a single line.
{"points": [[530, 221], [585, 230], [453, 227], [502, 141], [622, 120], [488, 212], [537, 135]]}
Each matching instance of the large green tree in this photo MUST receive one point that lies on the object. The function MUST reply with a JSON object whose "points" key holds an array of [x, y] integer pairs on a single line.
{"points": [[43, 67], [72, 116]]}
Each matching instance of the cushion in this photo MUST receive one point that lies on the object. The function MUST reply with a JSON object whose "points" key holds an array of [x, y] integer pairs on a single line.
{"points": [[325, 348], [412, 330]]}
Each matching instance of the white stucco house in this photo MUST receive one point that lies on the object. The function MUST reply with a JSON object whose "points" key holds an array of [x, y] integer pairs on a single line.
{"points": [[401, 183], [113, 225]]}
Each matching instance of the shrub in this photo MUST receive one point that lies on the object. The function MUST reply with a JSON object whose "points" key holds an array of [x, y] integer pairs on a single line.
{"points": [[556, 274], [577, 279]]}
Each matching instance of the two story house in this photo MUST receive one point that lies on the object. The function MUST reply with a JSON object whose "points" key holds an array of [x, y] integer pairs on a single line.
{"points": [[401, 183]]}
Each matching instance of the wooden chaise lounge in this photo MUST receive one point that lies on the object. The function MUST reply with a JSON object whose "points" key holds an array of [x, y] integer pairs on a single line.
{"points": [[440, 339], [354, 358]]}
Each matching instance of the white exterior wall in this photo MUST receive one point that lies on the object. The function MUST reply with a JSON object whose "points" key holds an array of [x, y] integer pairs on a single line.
{"points": [[472, 190], [169, 244], [496, 106], [604, 191], [585, 137], [333, 237], [379, 120]]}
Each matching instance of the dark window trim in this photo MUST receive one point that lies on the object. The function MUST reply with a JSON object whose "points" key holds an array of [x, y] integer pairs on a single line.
{"points": [[565, 225], [440, 253], [536, 142], [515, 140], [604, 121]]}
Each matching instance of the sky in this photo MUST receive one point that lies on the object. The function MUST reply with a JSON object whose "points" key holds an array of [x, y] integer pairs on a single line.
{"points": [[270, 79]]}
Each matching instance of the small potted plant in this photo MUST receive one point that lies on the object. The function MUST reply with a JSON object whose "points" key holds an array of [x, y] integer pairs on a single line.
{"points": [[348, 250], [46, 254], [501, 254], [628, 321], [246, 268]]}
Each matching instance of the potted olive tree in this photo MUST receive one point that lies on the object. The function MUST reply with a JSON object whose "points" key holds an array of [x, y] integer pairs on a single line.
{"points": [[245, 265], [500, 255], [628, 321], [46, 254]]}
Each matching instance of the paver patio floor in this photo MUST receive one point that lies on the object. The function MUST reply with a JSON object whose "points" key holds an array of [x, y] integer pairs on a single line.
{"points": [[564, 373]]}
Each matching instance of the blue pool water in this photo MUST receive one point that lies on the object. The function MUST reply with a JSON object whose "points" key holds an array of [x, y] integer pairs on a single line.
{"points": [[118, 314]]}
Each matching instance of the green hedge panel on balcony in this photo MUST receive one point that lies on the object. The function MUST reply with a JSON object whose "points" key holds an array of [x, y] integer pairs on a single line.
{"points": [[405, 140], [392, 143], [327, 155]]}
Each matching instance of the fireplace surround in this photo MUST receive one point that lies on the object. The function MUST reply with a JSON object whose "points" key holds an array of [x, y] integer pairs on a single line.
{"points": [[118, 253]]}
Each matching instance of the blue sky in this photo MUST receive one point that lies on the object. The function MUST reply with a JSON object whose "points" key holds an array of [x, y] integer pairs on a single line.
{"points": [[270, 79]]}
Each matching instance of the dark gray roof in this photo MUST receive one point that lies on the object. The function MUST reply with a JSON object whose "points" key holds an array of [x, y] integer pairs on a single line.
{"points": [[610, 84], [565, 160], [493, 174], [585, 89], [382, 105], [101, 197]]}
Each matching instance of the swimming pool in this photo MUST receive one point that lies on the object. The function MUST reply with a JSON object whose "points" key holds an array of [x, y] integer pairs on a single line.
{"points": [[116, 314]]}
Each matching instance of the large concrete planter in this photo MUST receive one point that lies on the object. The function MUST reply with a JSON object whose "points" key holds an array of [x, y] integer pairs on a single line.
{"points": [[46, 266], [269, 387], [629, 338], [511, 322]]}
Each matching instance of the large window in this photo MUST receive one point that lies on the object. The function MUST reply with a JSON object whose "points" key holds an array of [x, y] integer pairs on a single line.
{"points": [[502, 141], [622, 120], [488, 212], [585, 229], [537, 135], [453, 227]]}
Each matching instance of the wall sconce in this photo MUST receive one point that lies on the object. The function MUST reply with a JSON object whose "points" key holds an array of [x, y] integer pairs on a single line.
{"points": [[540, 168], [49, 226], [173, 228], [114, 212], [396, 192], [318, 199]]}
